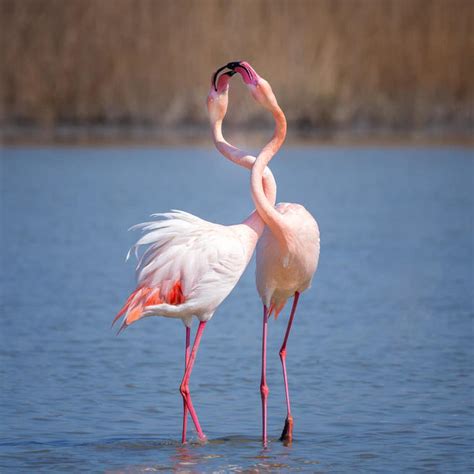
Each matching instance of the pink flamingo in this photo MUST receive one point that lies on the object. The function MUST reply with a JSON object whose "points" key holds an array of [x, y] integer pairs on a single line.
{"points": [[188, 269], [288, 251]]}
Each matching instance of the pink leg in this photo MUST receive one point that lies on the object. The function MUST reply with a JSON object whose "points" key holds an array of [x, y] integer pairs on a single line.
{"points": [[287, 434], [263, 382], [184, 387], [185, 407]]}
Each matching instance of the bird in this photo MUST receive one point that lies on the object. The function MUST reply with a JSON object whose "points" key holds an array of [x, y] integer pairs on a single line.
{"points": [[287, 253], [189, 267]]}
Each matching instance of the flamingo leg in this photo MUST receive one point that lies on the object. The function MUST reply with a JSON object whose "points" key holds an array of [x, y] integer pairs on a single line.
{"points": [[185, 407], [287, 433], [263, 382], [184, 387]]}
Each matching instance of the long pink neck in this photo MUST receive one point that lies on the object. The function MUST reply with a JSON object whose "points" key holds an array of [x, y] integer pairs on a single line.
{"points": [[244, 159], [264, 206]]}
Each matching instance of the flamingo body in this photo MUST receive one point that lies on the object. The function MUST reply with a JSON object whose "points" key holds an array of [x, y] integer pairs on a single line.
{"points": [[190, 266], [280, 274]]}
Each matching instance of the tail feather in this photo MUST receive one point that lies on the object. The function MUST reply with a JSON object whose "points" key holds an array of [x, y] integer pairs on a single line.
{"points": [[126, 305], [122, 327], [145, 297]]}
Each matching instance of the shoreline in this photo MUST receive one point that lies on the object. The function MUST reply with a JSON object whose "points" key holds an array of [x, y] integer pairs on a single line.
{"points": [[199, 136]]}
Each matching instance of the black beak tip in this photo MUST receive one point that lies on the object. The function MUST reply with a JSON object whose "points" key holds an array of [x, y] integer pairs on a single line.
{"points": [[235, 64], [232, 65]]}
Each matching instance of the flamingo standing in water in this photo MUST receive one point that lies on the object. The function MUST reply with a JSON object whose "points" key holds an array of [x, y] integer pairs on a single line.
{"points": [[288, 250], [188, 269]]}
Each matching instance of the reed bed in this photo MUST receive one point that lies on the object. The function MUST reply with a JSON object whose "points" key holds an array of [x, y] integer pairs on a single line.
{"points": [[334, 64]]}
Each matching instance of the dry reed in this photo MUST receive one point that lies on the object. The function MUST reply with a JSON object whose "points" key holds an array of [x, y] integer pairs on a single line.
{"points": [[334, 64]]}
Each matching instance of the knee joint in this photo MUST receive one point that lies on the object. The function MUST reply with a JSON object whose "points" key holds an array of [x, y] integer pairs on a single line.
{"points": [[264, 391], [184, 390]]}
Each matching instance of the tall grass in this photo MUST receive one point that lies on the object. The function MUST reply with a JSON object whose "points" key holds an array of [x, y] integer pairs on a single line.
{"points": [[334, 64]]}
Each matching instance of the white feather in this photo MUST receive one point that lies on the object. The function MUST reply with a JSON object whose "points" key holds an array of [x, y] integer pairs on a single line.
{"points": [[208, 259]]}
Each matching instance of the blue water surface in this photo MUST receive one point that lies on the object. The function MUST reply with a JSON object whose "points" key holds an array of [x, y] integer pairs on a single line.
{"points": [[380, 358]]}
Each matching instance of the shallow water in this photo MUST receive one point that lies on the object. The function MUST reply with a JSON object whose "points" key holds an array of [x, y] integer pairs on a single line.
{"points": [[380, 358]]}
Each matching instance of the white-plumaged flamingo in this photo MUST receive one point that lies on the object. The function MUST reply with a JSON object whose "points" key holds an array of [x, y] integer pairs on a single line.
{"points": [[288, 250]]}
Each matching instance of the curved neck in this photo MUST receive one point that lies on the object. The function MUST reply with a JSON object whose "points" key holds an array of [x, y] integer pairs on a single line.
{"points": [[244, 159], [264, 207]]}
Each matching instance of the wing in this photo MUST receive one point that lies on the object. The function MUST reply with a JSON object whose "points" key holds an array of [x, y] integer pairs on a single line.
{"points": [[189, 267]]}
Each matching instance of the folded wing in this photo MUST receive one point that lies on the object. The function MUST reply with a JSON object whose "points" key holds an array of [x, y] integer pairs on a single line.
{"points": [[189, 266]]}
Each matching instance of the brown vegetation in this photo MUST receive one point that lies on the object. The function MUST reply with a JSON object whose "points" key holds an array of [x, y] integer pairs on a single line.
{"points": [[334, 64]]}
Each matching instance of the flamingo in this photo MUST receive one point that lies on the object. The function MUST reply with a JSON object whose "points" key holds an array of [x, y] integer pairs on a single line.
{"points": [[189, 267], [288, 250]]}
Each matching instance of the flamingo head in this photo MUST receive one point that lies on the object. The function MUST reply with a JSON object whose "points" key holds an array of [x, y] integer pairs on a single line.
{"points": [[259, 88], [248, 73], [218, 97]]}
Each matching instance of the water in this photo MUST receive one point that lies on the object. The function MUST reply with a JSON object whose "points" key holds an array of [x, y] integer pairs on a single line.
{"points": [[380, 358]]}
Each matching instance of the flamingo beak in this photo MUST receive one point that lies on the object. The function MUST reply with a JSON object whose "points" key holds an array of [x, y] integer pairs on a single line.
{"points": [[216, 74], [247, 72], [235, 64]]}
